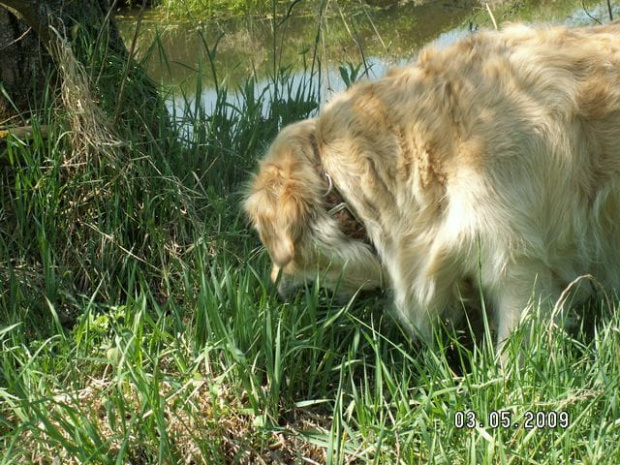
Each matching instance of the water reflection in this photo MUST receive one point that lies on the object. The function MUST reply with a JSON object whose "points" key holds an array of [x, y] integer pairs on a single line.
{"points": [[192, 58], [244, 47]]}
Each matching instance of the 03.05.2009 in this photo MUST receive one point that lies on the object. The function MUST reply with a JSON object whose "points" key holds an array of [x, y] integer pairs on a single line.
{"points": [[468, 419]]}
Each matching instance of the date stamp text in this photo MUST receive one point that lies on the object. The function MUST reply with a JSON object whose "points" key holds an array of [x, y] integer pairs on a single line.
{"points": [[468, 419]]}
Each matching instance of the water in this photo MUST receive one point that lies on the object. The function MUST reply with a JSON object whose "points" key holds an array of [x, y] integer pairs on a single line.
{"points": [[207, 55]]}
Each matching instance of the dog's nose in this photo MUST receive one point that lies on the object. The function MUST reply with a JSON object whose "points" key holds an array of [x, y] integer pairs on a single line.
{"points": [[284, 292], [287, 289], [287, 286]]}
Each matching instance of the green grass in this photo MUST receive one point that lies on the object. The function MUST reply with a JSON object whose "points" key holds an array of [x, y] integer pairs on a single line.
{"points": [[138, 326], [192, 9]]}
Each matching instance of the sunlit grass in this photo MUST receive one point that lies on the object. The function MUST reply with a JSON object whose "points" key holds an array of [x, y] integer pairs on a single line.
{"points": [[231, 374]]}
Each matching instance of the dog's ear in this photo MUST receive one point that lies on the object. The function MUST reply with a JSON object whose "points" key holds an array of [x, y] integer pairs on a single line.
{"points": [[279, 206], [285, 192]]}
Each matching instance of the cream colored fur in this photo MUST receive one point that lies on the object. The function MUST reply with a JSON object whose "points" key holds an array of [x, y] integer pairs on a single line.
{"points": [[495, 161]]}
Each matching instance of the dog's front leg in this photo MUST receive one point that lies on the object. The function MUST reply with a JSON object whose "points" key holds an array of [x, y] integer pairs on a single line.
{"points": [[524, 286], [423, 297]]}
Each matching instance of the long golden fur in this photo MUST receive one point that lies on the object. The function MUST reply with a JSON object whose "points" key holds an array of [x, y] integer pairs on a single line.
{"points": [[494, 163]]}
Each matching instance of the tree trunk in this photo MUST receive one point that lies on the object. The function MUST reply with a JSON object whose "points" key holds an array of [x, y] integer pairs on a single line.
{"points": [[29, 44], [62, 15], [23, 66]]}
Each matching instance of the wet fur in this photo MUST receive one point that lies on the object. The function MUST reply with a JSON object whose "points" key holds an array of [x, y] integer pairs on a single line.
{"points": [[495, 161]]}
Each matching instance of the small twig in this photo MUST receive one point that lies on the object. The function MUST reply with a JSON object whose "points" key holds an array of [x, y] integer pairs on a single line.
{"points": [[491, 15], [558, 307], [112, 240], [211, 53], [372, 23], [585, 9], [13, 42], [24, 132], [105, 27], [119, 102], [289, 12], [358, 42]]}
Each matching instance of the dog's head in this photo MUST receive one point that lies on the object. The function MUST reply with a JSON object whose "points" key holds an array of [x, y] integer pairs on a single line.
{"points": [[287, 204]]}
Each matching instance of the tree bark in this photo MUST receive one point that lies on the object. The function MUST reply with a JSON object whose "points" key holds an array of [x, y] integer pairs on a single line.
{"points": [[23, 66], [44, 16], [30, 32]]}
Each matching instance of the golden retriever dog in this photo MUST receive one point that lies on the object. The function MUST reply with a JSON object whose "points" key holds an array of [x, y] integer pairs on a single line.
{"points": [[491, 167]]}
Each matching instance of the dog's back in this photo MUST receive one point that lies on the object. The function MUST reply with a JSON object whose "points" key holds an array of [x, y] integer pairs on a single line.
{"points": [[503, 149]]}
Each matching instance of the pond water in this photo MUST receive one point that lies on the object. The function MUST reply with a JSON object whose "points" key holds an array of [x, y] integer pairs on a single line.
{"points": [[194, 59]]}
